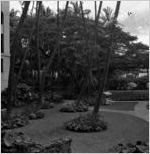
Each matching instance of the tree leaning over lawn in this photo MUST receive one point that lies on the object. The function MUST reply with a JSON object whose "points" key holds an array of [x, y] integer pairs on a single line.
{"points": [[13, 47], [109, 52]]}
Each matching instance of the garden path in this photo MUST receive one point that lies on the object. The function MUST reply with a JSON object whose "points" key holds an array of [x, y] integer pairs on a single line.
{"points": [[122, 128], [140, 110]]}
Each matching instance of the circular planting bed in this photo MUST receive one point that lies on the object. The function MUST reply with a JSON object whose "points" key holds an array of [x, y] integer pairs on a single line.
{"points": [[87, 123], [74, 107]]}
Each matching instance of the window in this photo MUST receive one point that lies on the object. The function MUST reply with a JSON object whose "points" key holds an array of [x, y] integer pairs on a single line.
{"points": [[2, 18], [2, 66], [2, 43]]}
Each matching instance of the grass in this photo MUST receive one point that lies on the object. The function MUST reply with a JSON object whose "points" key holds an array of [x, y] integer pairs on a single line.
{"points": [[121, 128], [124, 106]]}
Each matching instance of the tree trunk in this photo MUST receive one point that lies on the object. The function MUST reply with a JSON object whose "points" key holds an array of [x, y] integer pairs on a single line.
{"points": [[45, 69], [106, 69], [99, 11], [23, 60], [38, 8], [11, 82], [97, 15], [95, 9]]}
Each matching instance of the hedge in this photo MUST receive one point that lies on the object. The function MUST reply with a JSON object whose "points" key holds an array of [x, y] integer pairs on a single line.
{"points": [[129, 95]]}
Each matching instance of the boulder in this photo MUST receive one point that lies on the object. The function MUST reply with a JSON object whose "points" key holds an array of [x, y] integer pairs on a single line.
{"points": [[17, 142], [138, 147]]}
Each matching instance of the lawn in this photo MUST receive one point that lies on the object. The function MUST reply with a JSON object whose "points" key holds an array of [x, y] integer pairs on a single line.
{"points": [[121, 128], [124, 106]]}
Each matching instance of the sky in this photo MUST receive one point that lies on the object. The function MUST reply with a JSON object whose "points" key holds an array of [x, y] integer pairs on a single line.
{"points": [[136, 24]]}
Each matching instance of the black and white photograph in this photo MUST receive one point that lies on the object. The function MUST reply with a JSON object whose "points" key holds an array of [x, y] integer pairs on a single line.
{"points": [[75, 76]]}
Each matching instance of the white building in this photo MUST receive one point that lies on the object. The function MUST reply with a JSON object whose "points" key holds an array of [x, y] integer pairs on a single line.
{"points": [[5, 44]]}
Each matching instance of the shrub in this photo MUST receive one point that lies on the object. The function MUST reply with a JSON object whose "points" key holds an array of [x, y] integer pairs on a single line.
{"points": [[74, 107], [122, 84], [68, 107], [117, 84], [86, 123], [16, 121], [142, 82], [36, 115], [47, 105], [129, 95], [90, 100], [4, 98], [57, 98]]}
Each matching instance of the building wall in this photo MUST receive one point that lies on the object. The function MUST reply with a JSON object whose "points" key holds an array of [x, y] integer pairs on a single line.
{"points": [[5, 55]]}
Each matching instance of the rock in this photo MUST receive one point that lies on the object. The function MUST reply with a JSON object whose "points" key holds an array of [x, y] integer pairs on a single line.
{"points": [[19, 143], [32, 116], [139, 147], [8, 140], [15, 122], [61, 145]]}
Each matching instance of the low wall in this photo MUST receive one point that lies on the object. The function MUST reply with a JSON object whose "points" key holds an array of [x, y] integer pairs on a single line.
{"points": [[129, 95]]}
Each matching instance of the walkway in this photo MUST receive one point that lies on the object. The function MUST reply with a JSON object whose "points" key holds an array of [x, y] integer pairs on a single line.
{"points": [[140, 111]]}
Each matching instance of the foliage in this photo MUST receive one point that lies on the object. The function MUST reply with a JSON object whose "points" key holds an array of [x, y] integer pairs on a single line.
{"points": [[4, 98], [47, 105], [142, 82], [57, 98], [74, 107], [15, 122], [86, 123], [25, 94], [90, 100], [118, 84], [138, 147], [130, 95], [36, 115], [77, 63]]}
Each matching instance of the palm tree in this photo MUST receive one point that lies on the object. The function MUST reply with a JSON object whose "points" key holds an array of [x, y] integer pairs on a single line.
{"points": [[38, 8], [46, 68], [11, 82], [106, 69]]}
